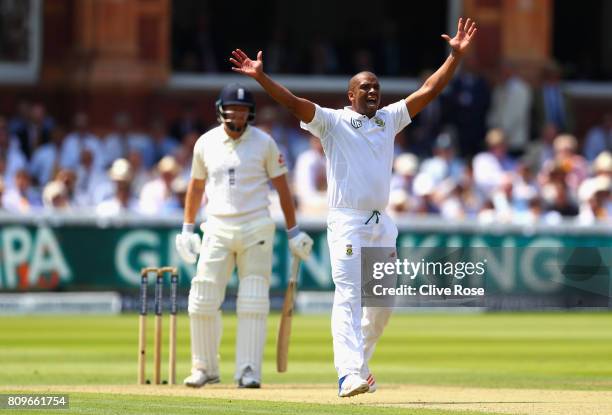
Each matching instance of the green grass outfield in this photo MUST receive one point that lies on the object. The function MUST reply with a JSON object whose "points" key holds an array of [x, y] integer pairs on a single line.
{"points": [[557, 351]]}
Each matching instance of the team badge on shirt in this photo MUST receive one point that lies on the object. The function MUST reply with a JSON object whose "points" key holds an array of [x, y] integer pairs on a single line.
{"points": [[349, 249], [379, 122], [355, 123]]}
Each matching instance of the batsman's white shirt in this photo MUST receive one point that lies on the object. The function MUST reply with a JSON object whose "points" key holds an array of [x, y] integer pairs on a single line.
{"points": [[359, 153], [236, 171], [239, 233]]}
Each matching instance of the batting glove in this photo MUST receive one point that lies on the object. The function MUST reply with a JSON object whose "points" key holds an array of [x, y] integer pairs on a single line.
{"points": [[188, 243], [300, 244]]}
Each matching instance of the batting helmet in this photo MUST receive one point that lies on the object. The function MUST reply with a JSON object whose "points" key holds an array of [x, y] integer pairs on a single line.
{"points": [[235, 94]]}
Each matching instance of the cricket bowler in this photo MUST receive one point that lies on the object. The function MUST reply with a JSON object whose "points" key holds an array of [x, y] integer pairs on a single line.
{"points": [[358, 144]]}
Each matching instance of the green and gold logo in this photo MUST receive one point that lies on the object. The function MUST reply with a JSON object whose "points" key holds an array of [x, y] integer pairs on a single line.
{"points": [[349, 249], [379, 122]]}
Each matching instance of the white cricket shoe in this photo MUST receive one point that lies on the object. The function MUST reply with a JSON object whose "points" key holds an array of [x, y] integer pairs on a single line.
{"points": [[199, 378], [248, 380], [372, 382], [351, 385]]}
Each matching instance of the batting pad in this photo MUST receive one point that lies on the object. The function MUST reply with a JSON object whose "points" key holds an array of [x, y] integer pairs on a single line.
{"points": [[205, 298], [252, 307]]}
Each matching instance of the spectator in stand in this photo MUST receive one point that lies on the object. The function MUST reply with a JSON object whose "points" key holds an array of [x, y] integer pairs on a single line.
{"points": [[595, 201], [467, 102], [69, 178], [541, 151], [471, 196], [443, 164], [90, 182], [405, 167], [19, 121], [487, 214], [490, 166], [449, 197], [158, 191], [22, 197], [535, 214], [599, 138], [551, 104], [573, 164], [81, 138], [142, 144], [122, 200], [503, 200], [311, 180], [45, 160], [402, 198], [187, 122], [176, 203], [184, 153], [602, 166], [555, 192], [140, 174], [510, 108], [118, 143], [524, 188], [55, 197], [161, 144], [36, 131], [425, 191], [114, 145], [400, 145], [12, 158], [595, 192]]}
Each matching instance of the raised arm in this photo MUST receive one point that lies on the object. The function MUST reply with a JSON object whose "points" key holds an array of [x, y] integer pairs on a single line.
{"points": [[434, 85], [303, 109]]}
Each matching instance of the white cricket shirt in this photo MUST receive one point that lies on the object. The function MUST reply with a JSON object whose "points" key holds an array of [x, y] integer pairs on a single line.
{"points": [[359, 153], [236, 171]]}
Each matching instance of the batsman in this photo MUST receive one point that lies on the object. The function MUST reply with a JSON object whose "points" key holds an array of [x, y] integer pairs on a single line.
{"points": [[233, 164]]}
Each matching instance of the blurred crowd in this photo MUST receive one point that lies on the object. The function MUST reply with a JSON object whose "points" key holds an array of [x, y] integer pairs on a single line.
{"points": [[45, 166], [505, 153]]}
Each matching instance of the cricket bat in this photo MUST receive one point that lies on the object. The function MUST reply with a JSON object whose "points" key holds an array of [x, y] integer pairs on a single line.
{"points": [[284, 330]]}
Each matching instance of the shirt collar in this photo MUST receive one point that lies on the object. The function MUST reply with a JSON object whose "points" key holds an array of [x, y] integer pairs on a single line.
{"points": [[244, 136], [353, 113]]}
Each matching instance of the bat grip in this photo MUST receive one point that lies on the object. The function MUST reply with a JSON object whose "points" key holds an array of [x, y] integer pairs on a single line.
{"points": [[295, 267]]}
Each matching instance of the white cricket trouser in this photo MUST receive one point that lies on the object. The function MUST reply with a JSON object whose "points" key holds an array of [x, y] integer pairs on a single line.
{"points": [[355, 333], [248, 247]]}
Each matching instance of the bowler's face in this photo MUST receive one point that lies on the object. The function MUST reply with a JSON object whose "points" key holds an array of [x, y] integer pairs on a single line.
{"points": [[365, 95]]}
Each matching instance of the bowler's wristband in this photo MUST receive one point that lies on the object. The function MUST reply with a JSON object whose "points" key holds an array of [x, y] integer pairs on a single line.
{"points": [[293, 232], [188, 227]]}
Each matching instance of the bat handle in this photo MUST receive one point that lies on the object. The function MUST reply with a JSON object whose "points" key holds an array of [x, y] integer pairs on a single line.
{"points": [[295, 266]]}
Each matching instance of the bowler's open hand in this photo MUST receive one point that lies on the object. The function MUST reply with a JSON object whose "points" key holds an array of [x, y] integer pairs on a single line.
{"points": [[465, 33], [245, 65]]}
